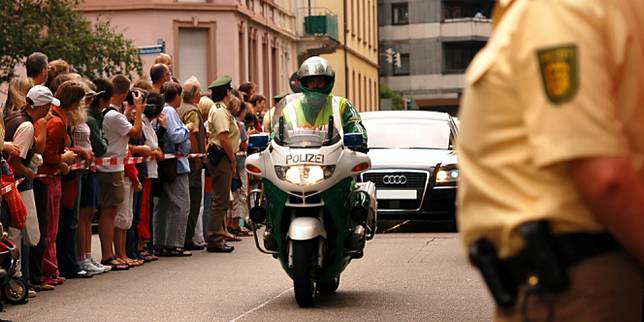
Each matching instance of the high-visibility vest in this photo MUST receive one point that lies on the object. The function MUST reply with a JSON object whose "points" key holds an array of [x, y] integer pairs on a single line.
{"points": [[336, 105]]}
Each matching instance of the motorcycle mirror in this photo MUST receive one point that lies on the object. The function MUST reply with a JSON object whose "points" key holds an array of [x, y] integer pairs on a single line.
{"points": [[353, 141], [258, 142]]}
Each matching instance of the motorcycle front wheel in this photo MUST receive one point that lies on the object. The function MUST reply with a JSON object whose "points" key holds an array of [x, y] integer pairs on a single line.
{"points": [[303, 283], [15, 291]]}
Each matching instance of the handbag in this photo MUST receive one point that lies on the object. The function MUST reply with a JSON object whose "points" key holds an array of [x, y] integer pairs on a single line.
{"points": [[167, 169], [17, 209], [32, 230]]}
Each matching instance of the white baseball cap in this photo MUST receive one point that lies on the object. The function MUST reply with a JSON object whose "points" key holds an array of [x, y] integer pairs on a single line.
{"points": [[41, 95]]}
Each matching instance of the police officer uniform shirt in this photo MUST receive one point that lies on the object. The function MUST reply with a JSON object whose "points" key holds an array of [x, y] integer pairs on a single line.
{"points": [[557, 81], [220, 120]]}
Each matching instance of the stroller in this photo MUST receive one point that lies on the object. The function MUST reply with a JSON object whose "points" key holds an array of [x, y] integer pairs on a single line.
{"points": [[13, 289]]}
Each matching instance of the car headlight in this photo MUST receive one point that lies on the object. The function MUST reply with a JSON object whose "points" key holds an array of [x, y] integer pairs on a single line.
{"points": [[304, 175], [447, 175]]}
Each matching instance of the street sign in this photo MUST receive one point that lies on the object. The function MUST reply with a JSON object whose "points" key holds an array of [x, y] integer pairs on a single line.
{"points": [[151, 50]]}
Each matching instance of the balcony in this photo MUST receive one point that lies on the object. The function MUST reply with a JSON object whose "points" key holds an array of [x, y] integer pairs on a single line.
{"points": [[317, 29], [321, 26], [464, 29]]}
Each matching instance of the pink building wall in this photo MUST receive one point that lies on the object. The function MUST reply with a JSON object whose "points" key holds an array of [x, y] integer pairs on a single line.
{"points": [[230, 23], [147, 21]]}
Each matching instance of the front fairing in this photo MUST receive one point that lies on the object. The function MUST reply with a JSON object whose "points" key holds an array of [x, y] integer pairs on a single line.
{"points": [[311, 145]]}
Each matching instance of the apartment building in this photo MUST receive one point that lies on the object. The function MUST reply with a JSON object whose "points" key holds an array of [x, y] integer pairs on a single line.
{"points": [[426, 45], [345, 33]]}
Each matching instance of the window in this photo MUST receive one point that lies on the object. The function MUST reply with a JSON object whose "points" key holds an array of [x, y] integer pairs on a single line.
{"points": [[459, 54], [242, 55], [400, 14], [193, 53], [467, 9], [404, 66]]}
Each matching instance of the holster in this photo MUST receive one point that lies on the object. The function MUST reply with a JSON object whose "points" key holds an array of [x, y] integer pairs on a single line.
{"points": [[544, 256], [215, 153]]}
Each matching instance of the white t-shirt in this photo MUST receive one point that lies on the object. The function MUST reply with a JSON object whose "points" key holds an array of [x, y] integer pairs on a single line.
{"points": [[116, 129], [152, 141], [24, 138]]}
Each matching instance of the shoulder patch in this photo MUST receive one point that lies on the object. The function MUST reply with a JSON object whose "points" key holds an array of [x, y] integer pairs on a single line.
{"points": [[558, 67]]}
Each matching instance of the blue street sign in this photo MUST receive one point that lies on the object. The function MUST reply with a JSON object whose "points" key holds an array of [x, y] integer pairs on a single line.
{"points": [[151, 50]]}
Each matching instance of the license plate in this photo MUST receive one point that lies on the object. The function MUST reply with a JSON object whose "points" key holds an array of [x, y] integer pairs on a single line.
{"points": [[396, 194]]}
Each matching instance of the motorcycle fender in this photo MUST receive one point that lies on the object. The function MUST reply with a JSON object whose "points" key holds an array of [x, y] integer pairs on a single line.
{"points": [[305, 228]]}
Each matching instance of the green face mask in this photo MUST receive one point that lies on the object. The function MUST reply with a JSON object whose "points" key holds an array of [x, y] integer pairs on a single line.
{"points": [[314, 101]]}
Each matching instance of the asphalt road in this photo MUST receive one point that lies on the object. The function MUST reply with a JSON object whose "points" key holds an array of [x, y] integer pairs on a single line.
{"points": [[403, 277]]}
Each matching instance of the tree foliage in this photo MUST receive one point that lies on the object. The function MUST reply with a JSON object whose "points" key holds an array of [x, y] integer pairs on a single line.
{"points": [[56, 29], [388, 93]]}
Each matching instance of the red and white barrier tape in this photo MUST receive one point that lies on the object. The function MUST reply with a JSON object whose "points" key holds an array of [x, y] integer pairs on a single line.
{"points": [[112, 161]]}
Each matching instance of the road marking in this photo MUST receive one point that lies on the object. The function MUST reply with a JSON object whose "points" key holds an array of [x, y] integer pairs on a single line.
{"points": [[261, 305], [397, 226]]}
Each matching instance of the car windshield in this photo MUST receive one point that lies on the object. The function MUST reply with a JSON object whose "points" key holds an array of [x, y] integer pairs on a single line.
{"points": [[408, 134], [293, 128]]}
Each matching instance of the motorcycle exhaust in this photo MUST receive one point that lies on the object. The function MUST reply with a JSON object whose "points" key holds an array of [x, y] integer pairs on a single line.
{"points": [[257, 206]]}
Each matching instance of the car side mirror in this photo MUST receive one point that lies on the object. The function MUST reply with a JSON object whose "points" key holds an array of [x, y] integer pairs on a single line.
{"points": [[354, 141], [257, 142]]}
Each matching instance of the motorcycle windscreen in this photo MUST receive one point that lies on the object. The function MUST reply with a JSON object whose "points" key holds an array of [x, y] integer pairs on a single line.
{"points": [[307, 121]]}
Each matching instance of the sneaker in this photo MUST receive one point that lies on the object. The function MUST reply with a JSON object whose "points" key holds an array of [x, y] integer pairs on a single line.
{"points": [[81, 274], [90, 268], [96, 264], [32, 293]]}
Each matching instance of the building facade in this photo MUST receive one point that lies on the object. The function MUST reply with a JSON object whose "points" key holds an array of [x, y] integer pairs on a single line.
{"points": [[426, 45], [251, 40], [349, 42]]}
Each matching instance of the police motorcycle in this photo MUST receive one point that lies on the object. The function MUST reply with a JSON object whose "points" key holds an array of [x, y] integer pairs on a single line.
{"points": [[317, 217]]}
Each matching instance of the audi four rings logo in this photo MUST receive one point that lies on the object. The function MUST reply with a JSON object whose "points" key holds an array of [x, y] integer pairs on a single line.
{"points": [[394, 179]]}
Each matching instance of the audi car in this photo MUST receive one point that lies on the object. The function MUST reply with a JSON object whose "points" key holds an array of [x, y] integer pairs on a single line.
{"points": [[413, 164]]}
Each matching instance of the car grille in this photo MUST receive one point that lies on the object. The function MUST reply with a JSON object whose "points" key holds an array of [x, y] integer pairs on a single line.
{"points": [[414, 181]]}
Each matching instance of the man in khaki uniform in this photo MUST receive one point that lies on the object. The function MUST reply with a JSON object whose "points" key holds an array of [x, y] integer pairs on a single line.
{"points": [[225, 137], [552, 132]]}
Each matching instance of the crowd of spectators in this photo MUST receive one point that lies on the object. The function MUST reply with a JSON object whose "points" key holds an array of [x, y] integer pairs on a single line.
{"points": [[70, 141]]}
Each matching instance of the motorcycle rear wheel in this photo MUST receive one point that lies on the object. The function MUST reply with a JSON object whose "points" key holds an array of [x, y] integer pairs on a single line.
{"points": [[15, 291], [303, 283]]}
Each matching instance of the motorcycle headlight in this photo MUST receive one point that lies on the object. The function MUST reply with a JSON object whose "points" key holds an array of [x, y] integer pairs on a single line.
{"points": [[304, 175], [447, 175]]}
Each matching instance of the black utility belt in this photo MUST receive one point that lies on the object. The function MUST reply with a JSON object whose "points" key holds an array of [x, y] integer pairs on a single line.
{"points": [[569, 248], [543, 262]]}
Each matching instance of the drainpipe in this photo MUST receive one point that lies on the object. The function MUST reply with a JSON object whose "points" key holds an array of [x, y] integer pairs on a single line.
{"points": [[346, 66], [377, 44]]}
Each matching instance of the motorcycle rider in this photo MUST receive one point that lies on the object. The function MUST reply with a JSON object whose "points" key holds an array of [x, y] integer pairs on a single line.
{"points": [[316, 79]]}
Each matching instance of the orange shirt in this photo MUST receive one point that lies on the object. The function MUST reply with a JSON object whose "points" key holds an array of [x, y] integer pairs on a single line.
{"points": [[57, 141]]}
